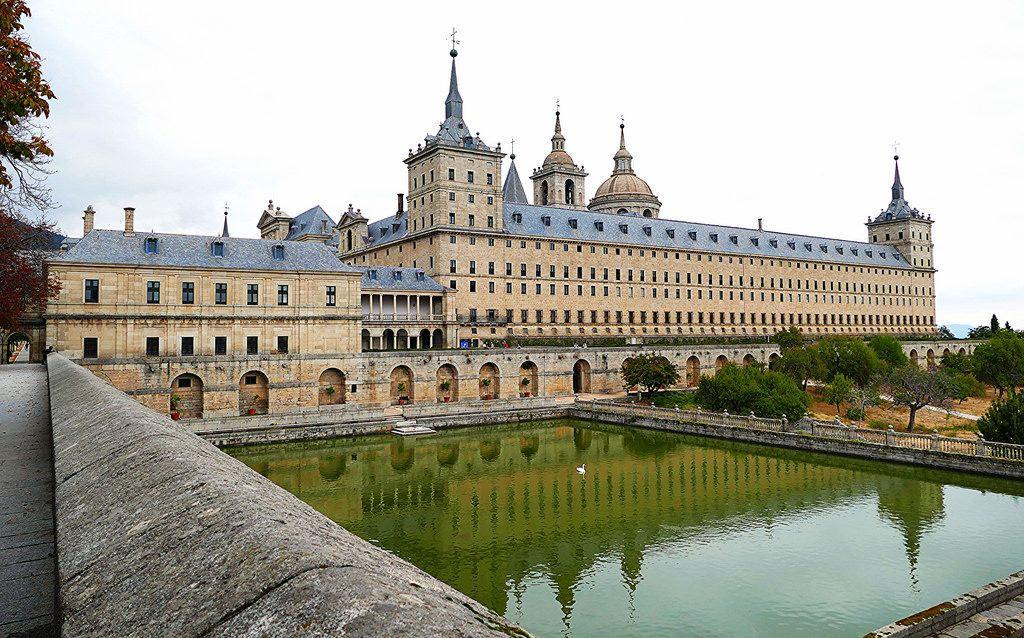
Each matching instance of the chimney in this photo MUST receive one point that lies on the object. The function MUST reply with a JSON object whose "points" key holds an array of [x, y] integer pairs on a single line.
{"points": [[401, 204], [129, 221], [89, 217], [759, 224]]}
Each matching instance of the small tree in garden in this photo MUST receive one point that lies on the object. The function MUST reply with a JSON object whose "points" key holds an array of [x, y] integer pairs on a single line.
{"points": [[838, 391], [801, 364], [788, 339], [999, 362], [889, 351], [1004, 420], [862, 397], [742, 390], [914, 388], [649, 372]]}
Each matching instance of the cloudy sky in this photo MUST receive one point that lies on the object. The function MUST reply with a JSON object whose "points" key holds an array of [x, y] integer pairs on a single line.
{"points": [[734, 111]]}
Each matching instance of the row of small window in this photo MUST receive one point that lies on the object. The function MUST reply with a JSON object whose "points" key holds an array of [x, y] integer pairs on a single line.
{"points": [[90, 346], [708, 318], [220, 293], [470, 177], [152, 247]]}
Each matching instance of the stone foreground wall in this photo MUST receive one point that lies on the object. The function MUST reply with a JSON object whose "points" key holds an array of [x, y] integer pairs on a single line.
{"points": [[160, 533]]}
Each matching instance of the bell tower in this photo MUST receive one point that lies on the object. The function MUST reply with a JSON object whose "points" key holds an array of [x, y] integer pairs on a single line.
{"points": [[905, 228], [559, 181]]}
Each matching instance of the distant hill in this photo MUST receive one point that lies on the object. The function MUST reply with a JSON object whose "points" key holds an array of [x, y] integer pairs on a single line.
{"points": [[959, 330], [42, 239]]}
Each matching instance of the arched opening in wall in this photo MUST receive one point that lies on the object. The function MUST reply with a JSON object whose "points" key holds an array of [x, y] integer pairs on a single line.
{"points": [[963, 351], [914, 358], [364, 340], [490, 382], [648, 213], [424, 339], [945, 351], [930, 358], [402, 386], [621, 211], [625, 364], [402, 339], [772, 358], [332, 387], [348, 239], [581, 376], [692, 372], [720, 362], [388, 340], [437, 340], [447, 383], [17, 348], [570, 192], [528, 379], [544, 193], [187, 396], [253, 393], [748, 360]]}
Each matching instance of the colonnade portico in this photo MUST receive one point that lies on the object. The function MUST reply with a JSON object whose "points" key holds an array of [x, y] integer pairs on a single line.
{"points": [[384, 307], [402, 321]]}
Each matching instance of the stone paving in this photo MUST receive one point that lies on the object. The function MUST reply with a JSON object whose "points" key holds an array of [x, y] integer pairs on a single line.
{"points": [[1006, 619], [27, 565]]}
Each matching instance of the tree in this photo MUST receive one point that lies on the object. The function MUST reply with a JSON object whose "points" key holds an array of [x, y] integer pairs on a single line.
{"points": [[788, 338], [956, 362], [850, 357], [742, 390], [999, 362], [649, 372], [945, 333], [838, 391], [980, 332], [24, 98], [994, 324], [801, 364], [889, 351], [914, 388], [27, 283], [862, 397], [1004, 420]]}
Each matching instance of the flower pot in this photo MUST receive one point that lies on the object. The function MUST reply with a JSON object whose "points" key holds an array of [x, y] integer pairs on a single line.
{"points": [[487, 397], [252, 411], [175, 415], [447, 399], [401, 402], [526, 394]]}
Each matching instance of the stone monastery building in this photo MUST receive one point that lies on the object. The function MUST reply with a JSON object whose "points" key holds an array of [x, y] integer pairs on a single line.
{"points": [[320, 312]]}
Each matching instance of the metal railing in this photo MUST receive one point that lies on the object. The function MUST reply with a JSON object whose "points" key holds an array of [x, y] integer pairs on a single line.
{"points": [[822, 429]]}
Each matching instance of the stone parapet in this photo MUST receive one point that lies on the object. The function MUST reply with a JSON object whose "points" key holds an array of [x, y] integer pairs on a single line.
{"points": [[160, 533]]}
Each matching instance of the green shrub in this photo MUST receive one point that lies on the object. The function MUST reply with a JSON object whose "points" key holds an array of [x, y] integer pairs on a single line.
{"points": [[1004, 420], [752, 389], [675, 399], [855, 414]]}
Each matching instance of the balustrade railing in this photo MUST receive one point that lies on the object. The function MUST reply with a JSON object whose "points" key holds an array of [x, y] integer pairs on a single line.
{"points": [[377, 316], [823, 429]]}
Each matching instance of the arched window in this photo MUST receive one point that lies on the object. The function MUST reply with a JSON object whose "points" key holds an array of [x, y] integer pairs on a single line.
{"points": [[570, 192], [621, 211], [544, 193], [349, 239], [647, 212]]}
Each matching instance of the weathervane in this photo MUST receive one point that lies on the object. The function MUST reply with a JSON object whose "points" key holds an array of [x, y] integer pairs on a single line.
{"points": [[895, 148], [454, 41]]}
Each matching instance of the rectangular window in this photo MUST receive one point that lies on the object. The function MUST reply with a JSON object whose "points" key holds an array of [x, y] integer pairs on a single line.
{"points": [[152, 346], [469, 176], [187, 346], [220, 294], [92, 291], [332, 297], [90, 347], [490, 179], [152, 292], [451, 197], [252, 294], [252, 345], [218, 249], [282, 345], [451, 174], [452, 266], [220, 345], [282, 295], [188, 292]]}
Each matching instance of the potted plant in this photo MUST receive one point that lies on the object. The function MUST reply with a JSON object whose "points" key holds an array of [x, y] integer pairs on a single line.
{"points": [[252, 404], [526, 386], [486, 383], [401, 393], [445, 387], [175, 400], [329, 391]]}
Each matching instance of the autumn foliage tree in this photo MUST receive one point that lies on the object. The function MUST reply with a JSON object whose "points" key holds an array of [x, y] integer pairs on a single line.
{"points": [[24, 153]]}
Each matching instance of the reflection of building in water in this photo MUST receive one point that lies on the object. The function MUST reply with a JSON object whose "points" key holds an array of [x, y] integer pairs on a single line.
{"points": [[487, 514], [913, 508]]}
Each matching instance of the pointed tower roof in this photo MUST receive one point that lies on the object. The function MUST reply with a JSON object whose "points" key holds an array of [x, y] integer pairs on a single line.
{"points": [[454, 131], [626, 165], [224, 233], [453, 103], [558, 154], [899, 207], [512, 191]]}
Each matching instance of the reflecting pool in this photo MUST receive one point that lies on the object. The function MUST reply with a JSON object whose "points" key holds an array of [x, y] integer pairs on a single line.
{"points": [[664, 534]]}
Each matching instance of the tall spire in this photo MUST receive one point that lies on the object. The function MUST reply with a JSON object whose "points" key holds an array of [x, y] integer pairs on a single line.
{"points": [[224, 233], [623, 160], [897, 185], [558, 140], [453, 105]]}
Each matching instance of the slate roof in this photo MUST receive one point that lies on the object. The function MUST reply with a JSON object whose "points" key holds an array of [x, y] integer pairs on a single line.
{"points": [[196, 251], [388, 229], [513, 192], [454, 131], [899, 207], [310, 223], [384, 278], [521, 219]]}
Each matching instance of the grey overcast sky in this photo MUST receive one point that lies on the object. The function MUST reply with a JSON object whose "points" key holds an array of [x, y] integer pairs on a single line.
{"points": [[734, 111]]}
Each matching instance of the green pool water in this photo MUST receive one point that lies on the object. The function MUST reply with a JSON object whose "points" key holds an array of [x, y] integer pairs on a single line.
{"points": [[664, 535]]}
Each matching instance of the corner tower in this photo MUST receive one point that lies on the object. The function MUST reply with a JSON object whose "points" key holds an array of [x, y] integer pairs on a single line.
{"points": [[903, 227], [454, 177], [559, 181], [624, 193]]}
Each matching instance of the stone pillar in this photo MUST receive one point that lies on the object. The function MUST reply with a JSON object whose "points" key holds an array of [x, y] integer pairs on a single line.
{"points": [[980, 446], [890, 436], [935, 443]]}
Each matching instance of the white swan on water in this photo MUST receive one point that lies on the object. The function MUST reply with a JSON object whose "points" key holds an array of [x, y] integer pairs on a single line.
{"points": [[582, 469]]}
